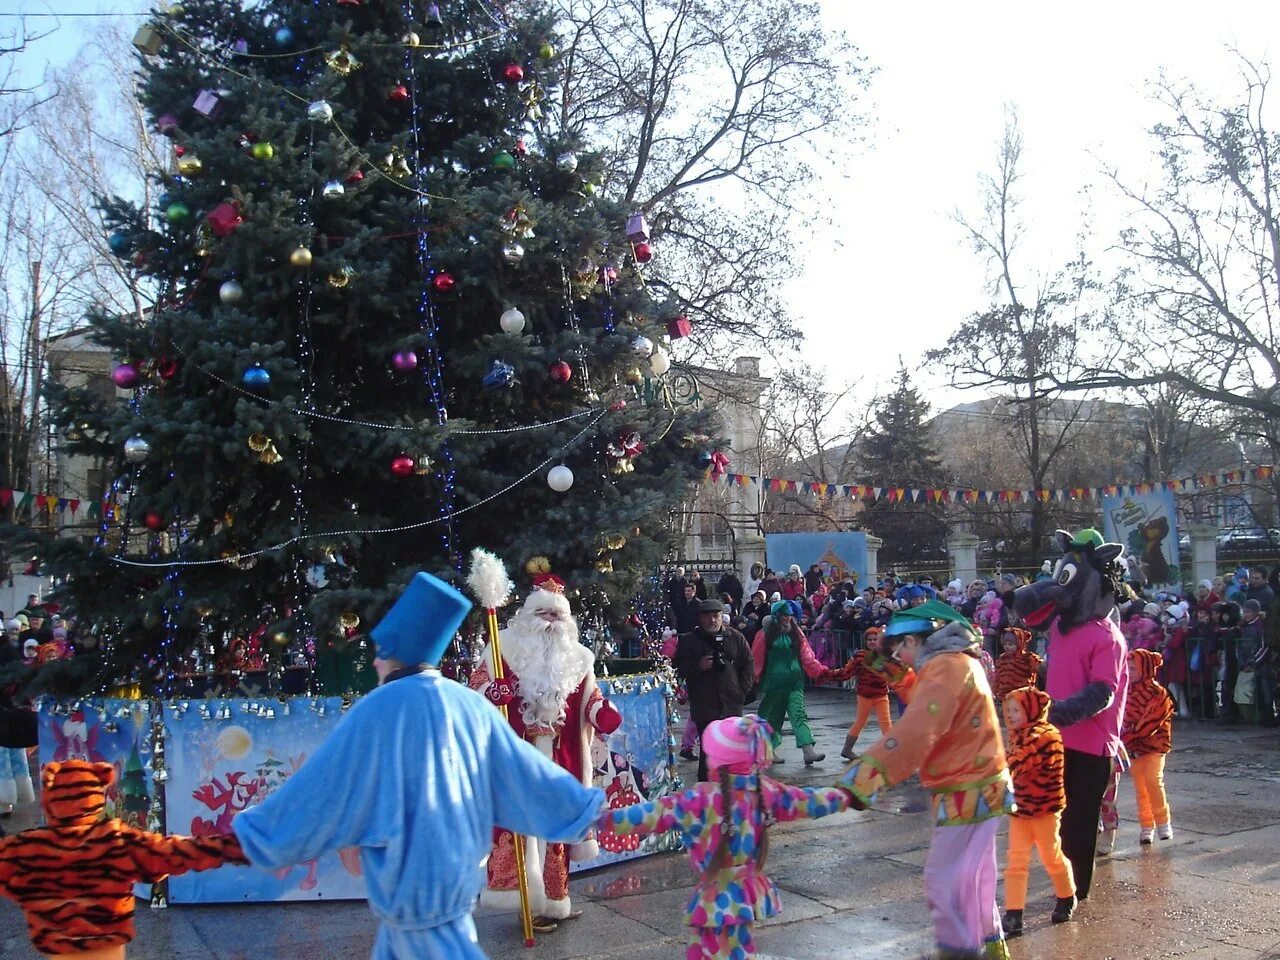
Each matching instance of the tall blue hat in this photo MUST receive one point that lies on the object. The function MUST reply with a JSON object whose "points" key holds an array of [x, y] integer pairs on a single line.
{"points": [[422, 623]]}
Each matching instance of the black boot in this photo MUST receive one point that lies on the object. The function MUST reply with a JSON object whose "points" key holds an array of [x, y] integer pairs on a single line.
{"points": [[1012, 924], [1064, 909]]}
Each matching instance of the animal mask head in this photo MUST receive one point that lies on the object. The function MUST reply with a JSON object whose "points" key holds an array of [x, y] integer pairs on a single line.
{"points": [[75, 791], [1083, 586]]}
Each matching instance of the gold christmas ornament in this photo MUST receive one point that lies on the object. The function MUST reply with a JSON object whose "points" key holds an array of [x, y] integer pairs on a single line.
{"points": [[517, 223], [615, 542], [536, 565], [634, 376], [395, 165], [605, 565], [411, 39], [265, 448], [190, 165], [348, 620], [204, 609], [342, 278], [300, 257], [620, 467], [280, 638], [341, 61], [204, 240]]}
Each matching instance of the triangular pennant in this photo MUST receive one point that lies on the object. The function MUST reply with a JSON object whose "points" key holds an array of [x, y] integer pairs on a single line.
{"points": [[74, 504], [95, 510], [23, 500]]}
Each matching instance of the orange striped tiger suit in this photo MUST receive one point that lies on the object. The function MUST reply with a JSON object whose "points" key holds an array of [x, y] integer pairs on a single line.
{"points": [[74, 878], [1148, 736], [1036, 762], [1015, 668]]}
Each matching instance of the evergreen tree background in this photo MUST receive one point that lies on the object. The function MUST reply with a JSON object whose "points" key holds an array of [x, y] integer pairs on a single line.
{"points": [[432, 202], [897, 452]]}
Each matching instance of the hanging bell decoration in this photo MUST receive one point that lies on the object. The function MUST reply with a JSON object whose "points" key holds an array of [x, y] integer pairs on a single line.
{"points": [[265, 448], [341, 61], [395, 165]]}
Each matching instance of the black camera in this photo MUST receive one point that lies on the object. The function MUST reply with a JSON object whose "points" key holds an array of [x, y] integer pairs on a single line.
{"points": [[719, 659]]}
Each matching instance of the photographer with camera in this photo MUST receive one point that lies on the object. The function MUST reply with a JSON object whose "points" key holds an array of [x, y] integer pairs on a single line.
{"points": [[715, 663]]}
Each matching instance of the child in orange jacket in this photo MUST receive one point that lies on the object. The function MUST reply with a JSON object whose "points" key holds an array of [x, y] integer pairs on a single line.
{"points": [[950, 735], [1036, 761], [1017, 666], [873, 674], [1148, 737], [74, 878]]}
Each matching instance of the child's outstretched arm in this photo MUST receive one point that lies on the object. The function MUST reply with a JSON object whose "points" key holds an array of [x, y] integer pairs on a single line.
{"points": [[639, 819], [156, 856], [807, 803]]}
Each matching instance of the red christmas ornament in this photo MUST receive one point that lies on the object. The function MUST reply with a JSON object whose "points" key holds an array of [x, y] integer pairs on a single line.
{"points": [[348, 3], [513, 73], [154, 521], [166, 368], [223, 219], [560, 372], [443, 282], [402, 466], [179, 151], [355, 176], [520, 149], [644, 252], [399, 93]]}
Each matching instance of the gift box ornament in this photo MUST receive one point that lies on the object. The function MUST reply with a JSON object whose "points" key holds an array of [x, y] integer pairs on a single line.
{"points": [[209, 103], [678, 327], [224, 218], [637, 228], [148, 40]]}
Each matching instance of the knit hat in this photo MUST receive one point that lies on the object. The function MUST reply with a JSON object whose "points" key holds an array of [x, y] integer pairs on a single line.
{"points": [[1253, 605], [780, 609], [794, 570], [14, 626], [1179, 610], [1207, 584], [30, 647], [420, 625], [1152, 610], [1034, 703], [1008, 578], [738, 744]]}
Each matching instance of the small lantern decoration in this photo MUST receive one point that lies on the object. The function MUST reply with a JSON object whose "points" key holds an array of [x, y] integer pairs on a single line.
{"points": [[223, 219], [148, 40], [209, 103], [679, 327], [637, 228]]}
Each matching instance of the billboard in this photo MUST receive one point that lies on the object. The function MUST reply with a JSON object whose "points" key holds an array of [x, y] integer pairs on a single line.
{"points": [[835, 553], [1147, 524]]}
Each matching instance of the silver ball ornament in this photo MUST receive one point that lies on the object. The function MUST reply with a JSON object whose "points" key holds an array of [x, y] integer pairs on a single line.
{"points": [[231, 292], [560, 478], [319, 111], [513, 253], [642, 346], [568, 162], [512, 321], [136, 449], [333, 189]]}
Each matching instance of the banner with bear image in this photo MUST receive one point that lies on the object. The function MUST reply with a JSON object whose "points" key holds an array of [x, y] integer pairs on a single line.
{"points": [[1147, 525], [224, 756]]}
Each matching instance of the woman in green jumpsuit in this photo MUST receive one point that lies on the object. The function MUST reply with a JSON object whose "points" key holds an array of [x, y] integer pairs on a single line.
{"points": [[783, 657]]}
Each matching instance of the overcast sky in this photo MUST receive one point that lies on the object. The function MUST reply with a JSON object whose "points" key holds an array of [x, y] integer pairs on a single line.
{"points": [[894, 275]]}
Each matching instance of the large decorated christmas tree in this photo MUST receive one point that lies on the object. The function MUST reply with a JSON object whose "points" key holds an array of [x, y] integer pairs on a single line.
{"points": [[396, 316]]}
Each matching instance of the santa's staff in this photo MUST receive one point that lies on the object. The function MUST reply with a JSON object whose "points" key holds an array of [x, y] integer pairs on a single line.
{"points": [[489, 582]]}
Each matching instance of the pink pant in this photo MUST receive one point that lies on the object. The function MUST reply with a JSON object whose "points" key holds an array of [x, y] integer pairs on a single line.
{"points": [[1110, 817], [960, 886], [690, 736]]}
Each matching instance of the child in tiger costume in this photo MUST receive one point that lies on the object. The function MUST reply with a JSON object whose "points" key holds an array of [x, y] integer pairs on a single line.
{"points": [[74, 878], [1035, 757], [1017, 666], [873, 674], [1148, 737]]}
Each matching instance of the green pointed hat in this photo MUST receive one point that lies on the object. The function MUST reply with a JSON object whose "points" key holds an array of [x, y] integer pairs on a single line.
{"points": [[926, 618]]}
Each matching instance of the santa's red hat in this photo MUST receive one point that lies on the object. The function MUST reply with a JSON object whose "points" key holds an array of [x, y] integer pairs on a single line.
{"points": [[549, 582]]}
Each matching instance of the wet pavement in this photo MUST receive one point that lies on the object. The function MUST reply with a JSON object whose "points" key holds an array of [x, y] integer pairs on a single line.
{"points": [[851, 884]]}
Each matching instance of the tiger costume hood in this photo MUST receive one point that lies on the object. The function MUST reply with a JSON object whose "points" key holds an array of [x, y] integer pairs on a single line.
{"points": [[1143, 665], [75, 791], [1034, 704]]}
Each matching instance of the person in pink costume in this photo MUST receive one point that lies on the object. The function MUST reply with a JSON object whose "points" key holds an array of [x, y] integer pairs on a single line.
{"points": [[725, 826]]}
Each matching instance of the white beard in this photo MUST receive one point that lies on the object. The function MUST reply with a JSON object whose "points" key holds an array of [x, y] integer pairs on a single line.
{"points": [[547, 658]]}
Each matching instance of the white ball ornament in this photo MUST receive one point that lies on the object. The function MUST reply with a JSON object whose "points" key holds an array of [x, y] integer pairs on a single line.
{"points": [[512, 321], [642, 346], [231, 292], [560, 478], [659, 362]]}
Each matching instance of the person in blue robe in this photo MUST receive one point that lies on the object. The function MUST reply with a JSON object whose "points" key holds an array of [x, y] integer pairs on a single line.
{"points": [[417, 775]]}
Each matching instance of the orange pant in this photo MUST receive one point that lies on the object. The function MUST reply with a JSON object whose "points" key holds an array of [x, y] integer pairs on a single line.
{"points": [[865, 706], [1042, 833], [1148, 784]]}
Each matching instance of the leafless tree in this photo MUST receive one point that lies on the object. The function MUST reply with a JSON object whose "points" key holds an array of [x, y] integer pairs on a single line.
{"points": [[717, 115], [1017, 346]]}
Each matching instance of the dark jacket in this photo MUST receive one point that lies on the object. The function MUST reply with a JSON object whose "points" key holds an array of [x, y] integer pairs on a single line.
{"points": [[684, 614], [812, 581], [730, 584], [721, 691]]}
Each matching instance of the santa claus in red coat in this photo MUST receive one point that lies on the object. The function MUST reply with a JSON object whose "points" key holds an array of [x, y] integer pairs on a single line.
{"points": [[553, 702]]}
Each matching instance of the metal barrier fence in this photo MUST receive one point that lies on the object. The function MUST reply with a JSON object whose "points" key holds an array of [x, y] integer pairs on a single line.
{"points": [[833, 648]]}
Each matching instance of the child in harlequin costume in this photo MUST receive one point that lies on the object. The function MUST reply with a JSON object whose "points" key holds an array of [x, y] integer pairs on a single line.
{"points": [[1035, 756], [729, 851], [783, 658], [1017, 666], [438, 769], [1148, 736], [1109, 818], [74, 877], [873, 674], [950, 735]]}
